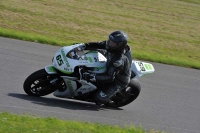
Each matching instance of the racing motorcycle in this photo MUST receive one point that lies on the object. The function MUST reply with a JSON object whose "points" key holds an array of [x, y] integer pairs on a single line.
{"points": [[64, 78]]}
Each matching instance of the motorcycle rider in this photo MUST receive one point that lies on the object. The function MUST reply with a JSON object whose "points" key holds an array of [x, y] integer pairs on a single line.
{"points": [[118, 66]]}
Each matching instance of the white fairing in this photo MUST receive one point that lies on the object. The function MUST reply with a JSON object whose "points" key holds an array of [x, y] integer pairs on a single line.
{"points": [[72, 89], [68, 57], [141, 68]]}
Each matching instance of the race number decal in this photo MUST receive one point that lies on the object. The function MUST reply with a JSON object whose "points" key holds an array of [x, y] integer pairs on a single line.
{"points": [[59, 60], [141, 66]]}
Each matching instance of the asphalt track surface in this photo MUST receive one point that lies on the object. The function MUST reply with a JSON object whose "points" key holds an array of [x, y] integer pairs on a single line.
{"points": [[169, 99]]}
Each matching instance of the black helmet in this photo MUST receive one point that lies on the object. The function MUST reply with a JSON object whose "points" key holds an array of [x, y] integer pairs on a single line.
{"points": [[117, 41]]}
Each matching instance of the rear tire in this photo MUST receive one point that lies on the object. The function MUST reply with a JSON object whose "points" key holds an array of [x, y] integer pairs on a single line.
{"points": [[126, 96], [38, 83]]}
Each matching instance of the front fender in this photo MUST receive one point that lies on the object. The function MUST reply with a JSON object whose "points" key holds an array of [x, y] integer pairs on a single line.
{"points": [[50, 69]]}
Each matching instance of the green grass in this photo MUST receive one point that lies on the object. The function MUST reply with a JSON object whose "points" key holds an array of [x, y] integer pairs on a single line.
{"points": [[30, 124], [191, 1], [164, 31]]}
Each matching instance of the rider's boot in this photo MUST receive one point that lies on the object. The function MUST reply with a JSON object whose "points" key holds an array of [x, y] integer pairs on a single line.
{"points": [[103, 96]]}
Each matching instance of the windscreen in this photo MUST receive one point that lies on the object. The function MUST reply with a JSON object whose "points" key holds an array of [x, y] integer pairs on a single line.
{"points": [[76, 53]]}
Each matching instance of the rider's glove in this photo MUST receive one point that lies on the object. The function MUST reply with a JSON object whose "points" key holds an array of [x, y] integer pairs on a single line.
{"points": [[75, 43], [82, 46], [89, 77]]}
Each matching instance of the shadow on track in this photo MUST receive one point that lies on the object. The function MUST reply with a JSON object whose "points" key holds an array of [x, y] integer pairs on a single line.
{"points": [[62, 103]]}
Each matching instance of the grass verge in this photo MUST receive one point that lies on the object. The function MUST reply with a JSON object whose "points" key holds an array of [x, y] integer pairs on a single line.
{"points": [[28, 124], [164, 31]]}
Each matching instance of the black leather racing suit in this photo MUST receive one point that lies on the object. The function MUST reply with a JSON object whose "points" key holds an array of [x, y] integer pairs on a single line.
{"points": [[118, 70]]}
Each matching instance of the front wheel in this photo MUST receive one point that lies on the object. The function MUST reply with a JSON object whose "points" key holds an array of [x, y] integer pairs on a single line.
{"points": [[40, 83], [126, 96]]}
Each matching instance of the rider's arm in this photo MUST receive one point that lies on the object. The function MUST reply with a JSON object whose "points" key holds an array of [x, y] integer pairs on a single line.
{"points": [[107, 77], [112, 71], [95, 45]]}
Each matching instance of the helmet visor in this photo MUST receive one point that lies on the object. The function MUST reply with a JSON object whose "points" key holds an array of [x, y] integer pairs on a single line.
{"points": [[111, 44]]}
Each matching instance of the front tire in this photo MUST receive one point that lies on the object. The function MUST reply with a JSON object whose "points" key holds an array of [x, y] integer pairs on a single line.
{"points": [[40, 83], [126, 96]]}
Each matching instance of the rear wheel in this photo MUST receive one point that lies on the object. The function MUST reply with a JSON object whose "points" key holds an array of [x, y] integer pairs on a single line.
{"points": [[40, 83], [126, 96]]}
